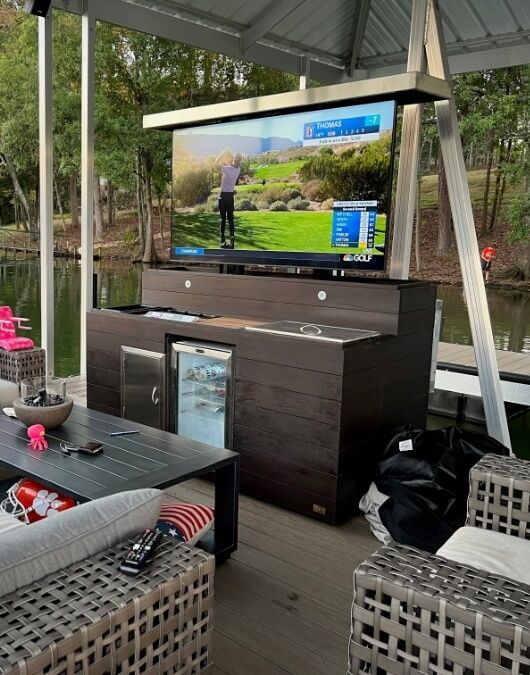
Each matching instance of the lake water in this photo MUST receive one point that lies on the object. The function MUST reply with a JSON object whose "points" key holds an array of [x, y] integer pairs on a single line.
{"points": [[119, 284]]}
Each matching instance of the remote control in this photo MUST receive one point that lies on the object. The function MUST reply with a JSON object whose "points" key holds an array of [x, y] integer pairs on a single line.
{"points": [[141, 552]]}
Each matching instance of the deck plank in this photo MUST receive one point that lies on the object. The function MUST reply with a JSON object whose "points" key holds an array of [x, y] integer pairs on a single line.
{"points": [[464, 355], [283, 600]]}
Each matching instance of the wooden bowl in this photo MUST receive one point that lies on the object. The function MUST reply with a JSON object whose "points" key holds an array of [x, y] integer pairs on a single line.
{"points": [[50, 417]]}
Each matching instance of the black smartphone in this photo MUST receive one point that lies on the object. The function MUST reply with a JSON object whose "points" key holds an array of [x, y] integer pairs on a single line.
{"points": [[90, 448]]}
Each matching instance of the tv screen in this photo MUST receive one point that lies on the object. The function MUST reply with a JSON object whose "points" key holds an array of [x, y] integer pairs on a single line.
{"points": [[308, 188]]}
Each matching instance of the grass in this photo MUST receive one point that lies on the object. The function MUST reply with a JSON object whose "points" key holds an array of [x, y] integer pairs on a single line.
{"points": [[277, 171], [267, 231], [476, 180]]}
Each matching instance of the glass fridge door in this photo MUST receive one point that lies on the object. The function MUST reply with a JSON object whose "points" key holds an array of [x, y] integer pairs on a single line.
{"points": [[201, 394]]}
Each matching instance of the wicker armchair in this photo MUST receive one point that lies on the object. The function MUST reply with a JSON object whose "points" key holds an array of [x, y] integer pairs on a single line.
{"points": [[90, 618], [416, 613]]}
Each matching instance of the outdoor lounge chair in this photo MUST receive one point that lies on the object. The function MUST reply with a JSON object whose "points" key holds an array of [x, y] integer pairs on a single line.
{"points": [[415, 612], [8, 336]]}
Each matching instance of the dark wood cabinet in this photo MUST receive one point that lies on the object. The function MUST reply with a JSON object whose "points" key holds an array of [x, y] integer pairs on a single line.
{"points": [[310, 417]]}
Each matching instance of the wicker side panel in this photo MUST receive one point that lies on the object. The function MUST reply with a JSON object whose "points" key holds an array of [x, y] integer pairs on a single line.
{"points": [[90, 618], [499, 497], [416, 613], [22, 365]]}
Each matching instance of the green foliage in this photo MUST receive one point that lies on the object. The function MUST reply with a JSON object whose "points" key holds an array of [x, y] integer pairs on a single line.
{"points": [[245, 205], [192, 187], [278, 206], [354, 174], [519, 219], [275, 171], [298, 204], [129, 237]]}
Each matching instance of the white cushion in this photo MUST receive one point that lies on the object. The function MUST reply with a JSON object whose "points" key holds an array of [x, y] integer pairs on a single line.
{"points": [[8, 522], [32, 552], [492, 552]]}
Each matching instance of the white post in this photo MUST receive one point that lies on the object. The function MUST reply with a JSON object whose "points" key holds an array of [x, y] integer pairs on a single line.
{"points": [[88, 37], [466, 237], [46, 188], [305, 71], [405, 202]]}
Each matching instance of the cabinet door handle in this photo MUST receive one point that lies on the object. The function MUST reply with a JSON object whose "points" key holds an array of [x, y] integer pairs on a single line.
{"points": [[154, 397]]}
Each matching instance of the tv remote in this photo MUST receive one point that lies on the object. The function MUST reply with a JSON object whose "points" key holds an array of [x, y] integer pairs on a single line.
{"points": [[140, 553]]}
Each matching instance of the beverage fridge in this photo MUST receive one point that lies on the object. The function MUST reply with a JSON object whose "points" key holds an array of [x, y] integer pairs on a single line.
{"points": [[201, 392]]}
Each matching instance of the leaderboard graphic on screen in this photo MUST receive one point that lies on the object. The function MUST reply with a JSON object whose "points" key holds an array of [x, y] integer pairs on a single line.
{"points": [[310, 188]]}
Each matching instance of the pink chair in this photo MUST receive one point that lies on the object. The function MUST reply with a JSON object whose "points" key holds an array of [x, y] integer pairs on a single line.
{"points": [[8, 336]]}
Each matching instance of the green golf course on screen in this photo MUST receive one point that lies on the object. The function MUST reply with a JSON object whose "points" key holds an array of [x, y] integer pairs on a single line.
{"points": [[313, 185]]}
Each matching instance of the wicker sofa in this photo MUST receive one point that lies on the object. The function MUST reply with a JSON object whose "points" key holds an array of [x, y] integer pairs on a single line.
{"points": [[89, 618], [414, 612]]}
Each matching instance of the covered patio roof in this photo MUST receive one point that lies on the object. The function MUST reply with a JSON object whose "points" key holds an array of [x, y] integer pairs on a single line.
{"points": [[332, 42], [339, 39]]}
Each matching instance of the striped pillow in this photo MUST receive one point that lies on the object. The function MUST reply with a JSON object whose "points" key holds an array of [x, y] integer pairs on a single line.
{"points": [[185, 522]]}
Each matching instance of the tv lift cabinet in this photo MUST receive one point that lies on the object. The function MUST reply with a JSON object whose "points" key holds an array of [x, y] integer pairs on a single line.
{"points": [[310, 417]]}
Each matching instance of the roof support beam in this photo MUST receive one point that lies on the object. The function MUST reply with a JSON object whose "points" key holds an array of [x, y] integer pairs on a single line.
{"points": [[360, 19], [88, 56], [46, 189], [266, 20], [153, 22]]}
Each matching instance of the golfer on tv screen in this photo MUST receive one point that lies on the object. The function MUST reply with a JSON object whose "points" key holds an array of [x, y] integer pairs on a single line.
{"points": [[229, 168]]}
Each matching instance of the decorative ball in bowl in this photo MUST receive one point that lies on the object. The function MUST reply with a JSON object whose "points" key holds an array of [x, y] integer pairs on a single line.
{"points": [[50, 416]]}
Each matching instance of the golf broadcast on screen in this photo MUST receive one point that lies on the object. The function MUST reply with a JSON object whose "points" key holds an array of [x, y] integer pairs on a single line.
{"points": [[308, 188]]}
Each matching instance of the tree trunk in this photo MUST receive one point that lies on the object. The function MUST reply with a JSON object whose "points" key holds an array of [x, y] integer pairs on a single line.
{"points": [[504, 182], [74, 201], [98, 206], [161, 222], [485, 199], [496, 194], [59, 205], [28, 223], [139, 203], [110, 203], [443, 246], [150, 255]]}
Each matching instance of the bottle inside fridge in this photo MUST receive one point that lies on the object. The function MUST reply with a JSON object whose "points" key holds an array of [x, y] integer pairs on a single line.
{"points": [[202, 404]]}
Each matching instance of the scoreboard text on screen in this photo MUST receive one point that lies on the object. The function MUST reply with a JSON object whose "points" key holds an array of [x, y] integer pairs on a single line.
{"points": [[349, 130], [354, 224]]}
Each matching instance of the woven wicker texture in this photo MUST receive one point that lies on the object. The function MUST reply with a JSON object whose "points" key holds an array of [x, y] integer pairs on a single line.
{"points": [[416, 613], [499, 497], [91, 618], [22, 365]]}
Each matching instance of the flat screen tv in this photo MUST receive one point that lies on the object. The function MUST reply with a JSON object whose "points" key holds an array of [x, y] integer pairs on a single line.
{"points": [[309, 188]]}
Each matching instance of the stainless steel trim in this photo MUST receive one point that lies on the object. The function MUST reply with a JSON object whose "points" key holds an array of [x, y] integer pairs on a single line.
{"points": [[369, 335], [405, 87], [222, 352], [145, 395]]}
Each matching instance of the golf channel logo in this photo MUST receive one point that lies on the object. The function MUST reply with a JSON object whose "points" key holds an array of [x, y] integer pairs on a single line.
{"points": [[348, 130]]}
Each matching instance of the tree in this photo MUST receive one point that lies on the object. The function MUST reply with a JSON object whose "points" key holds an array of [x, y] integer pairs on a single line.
{"points": [[445, 220]]}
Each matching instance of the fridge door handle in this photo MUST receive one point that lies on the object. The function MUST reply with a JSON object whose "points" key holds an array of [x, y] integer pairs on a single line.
{"points": [[154, 397]]}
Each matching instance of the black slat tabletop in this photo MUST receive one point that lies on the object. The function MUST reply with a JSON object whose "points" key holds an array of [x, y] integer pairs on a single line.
{"points": [[151, 458]]}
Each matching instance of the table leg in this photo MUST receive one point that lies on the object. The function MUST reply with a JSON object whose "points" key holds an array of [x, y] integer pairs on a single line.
{"points": [[226, 510]]}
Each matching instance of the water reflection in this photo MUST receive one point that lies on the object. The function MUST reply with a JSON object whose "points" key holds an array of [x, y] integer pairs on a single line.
{"points": [[118, 284], [509, 312]]}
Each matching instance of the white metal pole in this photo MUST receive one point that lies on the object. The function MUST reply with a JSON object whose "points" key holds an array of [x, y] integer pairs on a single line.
{"points": [[88, 37], [45, 31], [405, 201], [466, 238], [305, 72]]}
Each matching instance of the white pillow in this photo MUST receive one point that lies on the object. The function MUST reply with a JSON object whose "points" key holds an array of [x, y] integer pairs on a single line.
{"points": [[490, 551], [31, 552]]}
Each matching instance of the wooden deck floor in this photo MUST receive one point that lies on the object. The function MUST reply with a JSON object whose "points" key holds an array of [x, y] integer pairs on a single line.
{"points": [[282, 602], [464, 355]]}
